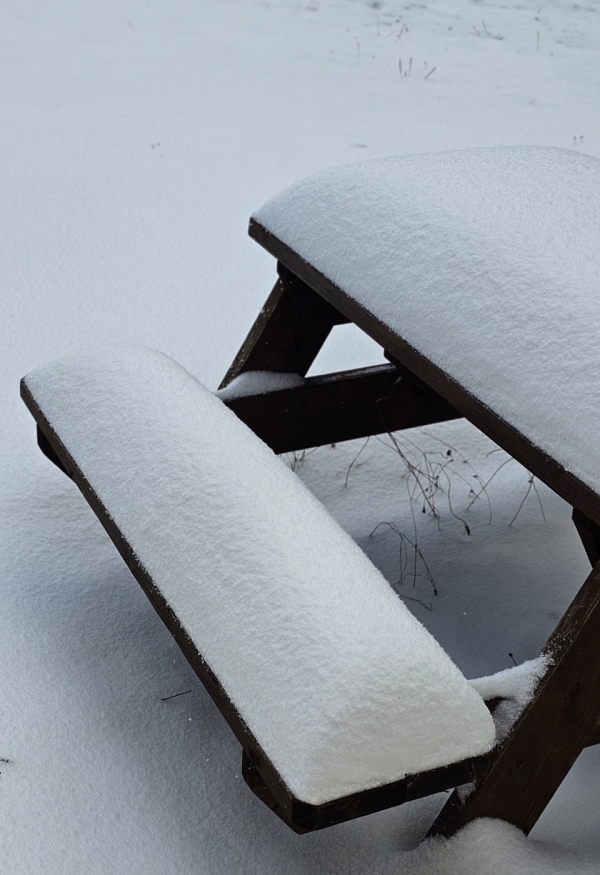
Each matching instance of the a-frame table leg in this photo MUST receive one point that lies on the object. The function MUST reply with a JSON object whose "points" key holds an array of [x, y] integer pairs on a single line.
{"points": [[290, 330], [550, 734], [286, 338], [589, 533]]}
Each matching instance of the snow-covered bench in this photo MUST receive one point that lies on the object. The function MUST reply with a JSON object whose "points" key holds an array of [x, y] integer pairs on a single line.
{"points": [[331, 685], [478, 272]]}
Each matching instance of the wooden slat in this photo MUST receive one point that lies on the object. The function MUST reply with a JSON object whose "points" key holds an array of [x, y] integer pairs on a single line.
{"points": [[566, 484], [549, 736], [308, 818], [288, 333], [339, 407]]}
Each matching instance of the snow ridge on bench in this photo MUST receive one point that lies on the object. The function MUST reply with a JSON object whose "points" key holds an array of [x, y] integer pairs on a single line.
{"points": [[341, 686]]}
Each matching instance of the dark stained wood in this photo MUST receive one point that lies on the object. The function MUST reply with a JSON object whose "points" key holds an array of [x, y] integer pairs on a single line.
{"points": [[558, 723], [448, 777], [339, 407], [252, 777], [566, 484], [47, 450], [595, 739], [290, 330], [589, 533], [308, 818]]}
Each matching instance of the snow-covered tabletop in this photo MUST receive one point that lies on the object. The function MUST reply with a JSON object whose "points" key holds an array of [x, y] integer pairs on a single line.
{"points": [[486, 262]]}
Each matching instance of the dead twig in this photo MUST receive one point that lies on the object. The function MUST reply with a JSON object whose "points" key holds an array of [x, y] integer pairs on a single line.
{"points": [[175, 695], [417, 554]]}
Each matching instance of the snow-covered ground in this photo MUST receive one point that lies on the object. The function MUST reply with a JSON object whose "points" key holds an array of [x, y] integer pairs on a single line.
{"points": [[136, 139]]}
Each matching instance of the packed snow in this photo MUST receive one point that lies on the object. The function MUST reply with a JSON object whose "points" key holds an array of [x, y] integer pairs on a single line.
{"points": [[455, 250], [137, 139], [341, 686]]}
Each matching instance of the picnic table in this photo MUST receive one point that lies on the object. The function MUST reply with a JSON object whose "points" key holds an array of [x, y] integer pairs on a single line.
{"points": [[478, 274]]}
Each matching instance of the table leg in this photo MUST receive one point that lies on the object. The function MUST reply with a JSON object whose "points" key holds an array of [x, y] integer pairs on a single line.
{"points": [[546, 740]]}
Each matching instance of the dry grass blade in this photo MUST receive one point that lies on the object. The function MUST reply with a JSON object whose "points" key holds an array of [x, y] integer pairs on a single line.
{"points": [[416, 554]]}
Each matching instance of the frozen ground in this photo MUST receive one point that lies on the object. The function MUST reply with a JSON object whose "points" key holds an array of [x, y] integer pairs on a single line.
{"points": [[137, 138]]}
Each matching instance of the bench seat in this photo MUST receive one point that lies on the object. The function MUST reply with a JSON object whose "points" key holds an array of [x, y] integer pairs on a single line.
{"points": [[330, 683]]}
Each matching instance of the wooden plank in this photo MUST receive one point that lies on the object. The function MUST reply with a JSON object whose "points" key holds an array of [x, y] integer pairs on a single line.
{"points": [[288, 333], [551, 733], [566, 484], [308, 818], [339, 407]]}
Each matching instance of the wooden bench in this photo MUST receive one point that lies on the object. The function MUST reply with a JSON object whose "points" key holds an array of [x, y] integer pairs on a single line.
{"points": [[335, 691], [475, 272]]}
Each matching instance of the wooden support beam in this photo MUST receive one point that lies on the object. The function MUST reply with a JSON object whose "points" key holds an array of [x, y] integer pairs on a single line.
{"points": [[289, 331], [340, 407], [558, 723], [589, 532]]}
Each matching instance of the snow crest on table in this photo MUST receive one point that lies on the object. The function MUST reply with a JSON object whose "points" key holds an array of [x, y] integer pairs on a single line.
{"points": [[484, 260], [340, 684], [258, 383]]}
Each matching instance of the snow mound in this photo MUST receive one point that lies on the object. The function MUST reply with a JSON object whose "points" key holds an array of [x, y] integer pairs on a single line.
{"points": [[493, 847], [340, 684], [484, 260], [515, 686]]}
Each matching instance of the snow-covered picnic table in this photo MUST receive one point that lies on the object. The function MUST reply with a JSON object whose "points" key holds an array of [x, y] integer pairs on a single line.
{"points": [[479, 270], [343, 703]]}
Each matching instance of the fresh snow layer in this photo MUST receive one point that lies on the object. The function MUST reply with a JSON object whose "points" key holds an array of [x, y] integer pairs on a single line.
{"points": [[487, 262], [340, 684], [259, 383], [492, 847], [515, 686]]}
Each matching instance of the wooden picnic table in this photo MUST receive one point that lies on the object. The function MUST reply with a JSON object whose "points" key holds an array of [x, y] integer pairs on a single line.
{"points": [[478, 273]]}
